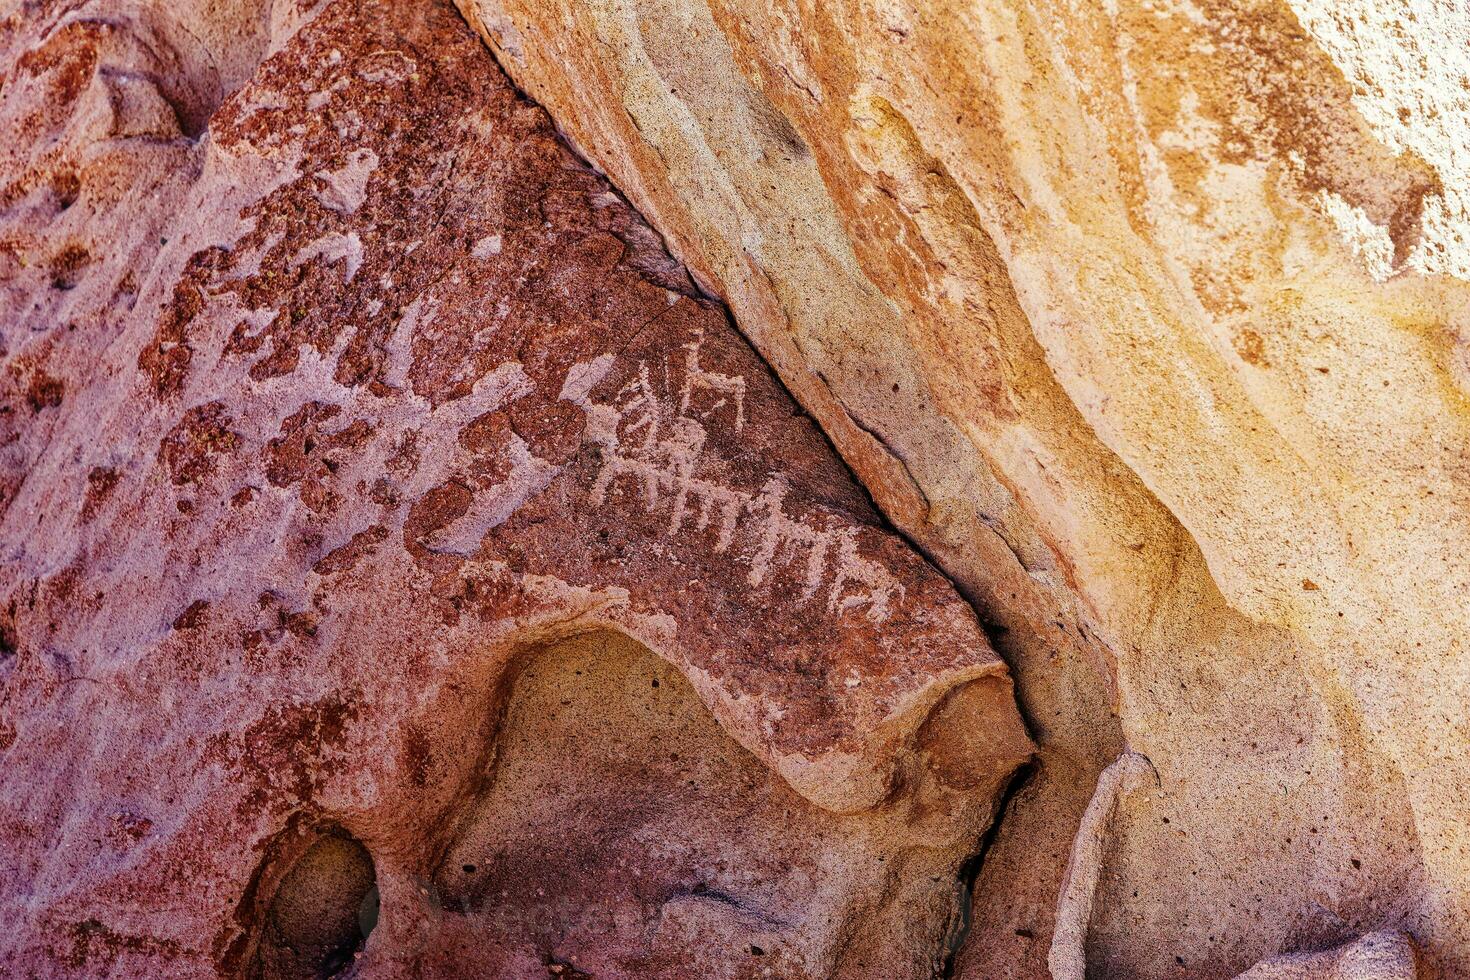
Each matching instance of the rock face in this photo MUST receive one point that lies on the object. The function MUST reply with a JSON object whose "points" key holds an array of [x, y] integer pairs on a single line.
{"points": [[1377, 956], [1147, 321], [405, 570]]}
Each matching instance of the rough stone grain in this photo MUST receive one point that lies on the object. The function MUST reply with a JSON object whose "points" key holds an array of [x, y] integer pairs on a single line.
{"points": [[1377, 956], [396, 546], [1146, 320]]}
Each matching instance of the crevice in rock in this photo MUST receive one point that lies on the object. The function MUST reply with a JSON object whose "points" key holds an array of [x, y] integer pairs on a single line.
{"points": [[9, 644], [969, 871]]}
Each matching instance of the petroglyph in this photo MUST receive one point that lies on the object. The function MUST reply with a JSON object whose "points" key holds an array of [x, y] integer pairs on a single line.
{"points": [[492, 507], [696, 378], [657, 445], [855, 581], [663, 462]]}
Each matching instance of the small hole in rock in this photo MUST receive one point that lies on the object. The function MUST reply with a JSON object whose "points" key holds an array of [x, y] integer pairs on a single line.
{"points": [[67, 187], [321, 913]]}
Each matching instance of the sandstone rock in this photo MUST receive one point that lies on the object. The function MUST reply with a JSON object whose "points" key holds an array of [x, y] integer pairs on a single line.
{"points": [[1379, 956], [1146, 321], [406, 570]]}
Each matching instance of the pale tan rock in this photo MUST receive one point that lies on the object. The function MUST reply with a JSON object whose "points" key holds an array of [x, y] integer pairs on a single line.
{"points": [[1141, 318], [1377, 956]]}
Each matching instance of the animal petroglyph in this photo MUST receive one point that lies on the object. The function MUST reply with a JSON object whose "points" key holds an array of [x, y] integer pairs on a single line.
{"points": [[657, 445], [696, 378], [855, 582]]}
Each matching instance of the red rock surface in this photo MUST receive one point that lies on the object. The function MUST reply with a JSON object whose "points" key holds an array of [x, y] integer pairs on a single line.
{"points": [[391, 535]]}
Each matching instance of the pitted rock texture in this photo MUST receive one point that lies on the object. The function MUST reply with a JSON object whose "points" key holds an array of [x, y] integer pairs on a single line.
{"points": [[1147, 321], [1377, 956], [405, 571]]}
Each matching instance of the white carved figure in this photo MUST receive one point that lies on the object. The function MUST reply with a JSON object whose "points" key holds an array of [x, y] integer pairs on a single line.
{"points": [[660, 446]]}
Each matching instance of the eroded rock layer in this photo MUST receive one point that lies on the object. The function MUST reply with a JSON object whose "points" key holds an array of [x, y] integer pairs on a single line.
{"points": [[1147, 321], [405, 571]]}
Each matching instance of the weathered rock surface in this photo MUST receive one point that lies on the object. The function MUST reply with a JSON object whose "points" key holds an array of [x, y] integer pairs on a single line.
{"points": [[395, 540], [1377, 956], [394, 543], [1147, 321]]}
